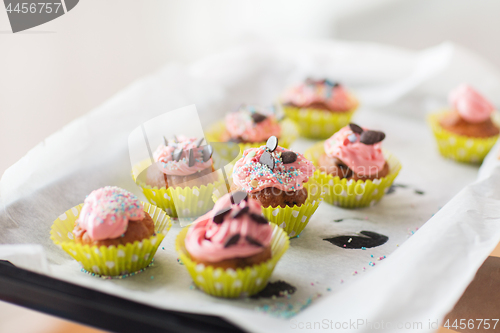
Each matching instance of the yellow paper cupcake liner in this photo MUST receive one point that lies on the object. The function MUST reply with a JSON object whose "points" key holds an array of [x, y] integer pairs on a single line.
{"points": [[318, 124], [353, 194], [232, 283], [291, 219], [289, 133], [178, 202], [112, 260], [458, 147]]}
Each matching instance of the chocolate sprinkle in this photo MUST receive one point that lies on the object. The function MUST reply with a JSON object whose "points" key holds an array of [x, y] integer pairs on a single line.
{"points": [[200, 140], [191, 158], [371, 137], [288, 157], [355, 128], [232, 241], [207, 152], [252, 241], [237, 196], [366, 239], [177, 154], [258, 117], [219, 216], [258, 218], [240, 212], [272, 143], [267, 159]]}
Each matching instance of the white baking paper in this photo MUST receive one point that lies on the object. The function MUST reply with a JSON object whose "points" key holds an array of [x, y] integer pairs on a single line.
{"points": [[424, 271]]}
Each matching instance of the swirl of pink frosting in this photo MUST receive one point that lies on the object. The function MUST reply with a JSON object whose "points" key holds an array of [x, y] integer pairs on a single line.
{"points": [[240, 124], [250, 174], [363, 159], [470, 104], [208, 241], [310, 93], [106, 212], [168, 165]]}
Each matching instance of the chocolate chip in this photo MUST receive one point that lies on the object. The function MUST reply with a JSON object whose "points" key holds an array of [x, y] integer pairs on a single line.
{"points": [[241, 212], [355, 128], [371, 137], [191, 158], [272, 143], [258, 117], [252, 241], [232, 241], [207, 152], [288, 157], [267, 159], [199, 141], [260, 219], [237, 196], [165, 140], [177, 154], [219, 216]]}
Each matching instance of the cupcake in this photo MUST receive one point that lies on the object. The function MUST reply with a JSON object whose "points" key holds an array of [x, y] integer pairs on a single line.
{"points": [[233, 235], [232, 250], [251, 125], [279, 179], [182, 177], [320, 107], [466, 132], [112, 216], [112, 233], [181, 161], [353, 168]]}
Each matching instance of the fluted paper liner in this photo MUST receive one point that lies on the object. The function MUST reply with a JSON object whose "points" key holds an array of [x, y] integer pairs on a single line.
{"points": [[177, 201], [291, 219], [112, 260], [232, 283], [289, 133], [349, 193], [459, 147], [318, 124]]}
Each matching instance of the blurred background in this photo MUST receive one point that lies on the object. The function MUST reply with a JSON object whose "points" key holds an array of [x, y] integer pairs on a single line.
{"points": [[56, 72]]}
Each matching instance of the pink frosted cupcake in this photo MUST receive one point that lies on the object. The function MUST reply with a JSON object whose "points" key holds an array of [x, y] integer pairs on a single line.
{"points": [[233, 235], [467, 130], [232, 250], [273, 175], [182, 179], [280, 180], [250, 126], [180, 160], [353, 168], [354, 153], [320, 107]]}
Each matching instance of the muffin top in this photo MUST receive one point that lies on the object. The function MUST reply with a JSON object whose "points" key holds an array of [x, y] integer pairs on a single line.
{"points": [[106, 212], [235, 228], [470, 105], [252, 124], [322, 94], [181, 156], [358, 148], [272, 166]]}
